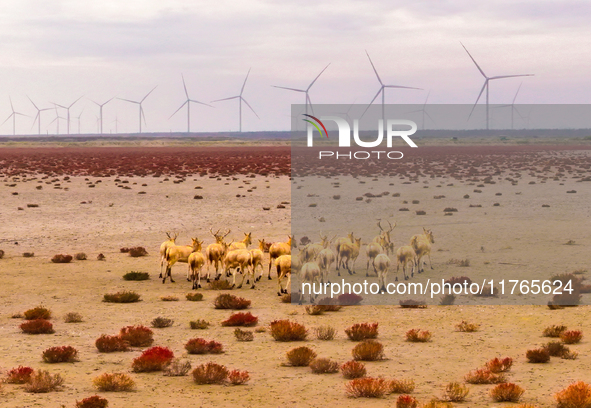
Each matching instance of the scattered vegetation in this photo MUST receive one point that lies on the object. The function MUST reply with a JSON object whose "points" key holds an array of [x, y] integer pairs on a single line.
{"points": [[169, 298], [162, 322], [228, 301], [177, 368], [42, 381], [499, 365], [324, 366], [210, 373], [60, 354], [136, 276], [194, 297], [286, 330], [459, 262], [73, 317], [553, 331], [466, 327], [349, 299], [324, 332], [412, 304], [368, 350], [571, 336], [300, 356], [93, 402], [221, 284], [576, 395], [401, 386], [137, 336], [237, 377], [418, 336], [455, 392], [353, 369], [368, 387], [507, 392], [125, 296], [61, 258], [241, 319], [243, 335], [406, 401], [80, 256], [37, 326], [152, 359], [362, 331], [19, 375], [38, 312], [484, 376], [202, 346], [110, 344], [115, 382], [199, 324], [556, 348], [539, 355], [136, 252], [315, 310]]}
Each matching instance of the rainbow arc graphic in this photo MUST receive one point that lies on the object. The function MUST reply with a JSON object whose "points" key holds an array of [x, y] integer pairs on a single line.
{"points": [[315, 125]]}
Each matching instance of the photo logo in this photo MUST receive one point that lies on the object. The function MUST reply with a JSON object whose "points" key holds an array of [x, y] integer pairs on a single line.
{"points": [[315, 125]]}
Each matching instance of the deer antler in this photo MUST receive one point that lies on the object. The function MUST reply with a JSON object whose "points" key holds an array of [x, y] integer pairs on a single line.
{"points": [[226, 233], [391, 227], [380, 226]]}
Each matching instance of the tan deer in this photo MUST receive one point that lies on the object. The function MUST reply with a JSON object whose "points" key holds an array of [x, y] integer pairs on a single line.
{"points": [[171, 241], [277, 249], [349, 252], [180, 253], [421, 243]]}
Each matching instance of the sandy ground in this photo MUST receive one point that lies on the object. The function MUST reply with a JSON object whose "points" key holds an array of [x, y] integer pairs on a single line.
{"points": [[519, 231]]}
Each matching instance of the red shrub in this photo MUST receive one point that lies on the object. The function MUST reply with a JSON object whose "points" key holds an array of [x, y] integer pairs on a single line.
{"points": [[152, 359], [136, 252], [349, 299], [498, 365], [362, 331], [19, 375], [241, 319], [37, 326], [366, 387], [540, 355], [237, 377], [418, 336], [202, 346], [61, 258], [507, 392], [210, 373], [576, 395], [353, 369], [60, 354], [93, 402], [406, 401], [109, 344], [484, 376], [368, 350], [571, 336], [228, 301], [137, 336]]}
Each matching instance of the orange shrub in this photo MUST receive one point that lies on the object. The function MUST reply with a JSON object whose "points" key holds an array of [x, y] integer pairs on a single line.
{"points": [[507, 392], [300, 356], [576, 395], [362, 331], [499, 365], [406, 401], [93, 402], [285, 330], [401, 386], [368, 387], [324, 366], [60, 354], [210, 373], [109, 344], [137, 336], [37, 326], [19, 375], [368, 350], [418, 336], [202, 346], [38, 312], [237, 377], [228, 301], [571, 336], [484, 376], [116, 382], [353, 369], [540, 355]]}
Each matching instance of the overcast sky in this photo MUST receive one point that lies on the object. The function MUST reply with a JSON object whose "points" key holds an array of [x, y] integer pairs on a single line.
{"points": [[60, 50]]}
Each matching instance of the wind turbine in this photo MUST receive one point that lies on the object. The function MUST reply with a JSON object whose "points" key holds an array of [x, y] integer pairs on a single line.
{"points": [[116, 121], [382, 90], [486, 85], [424, 112], [13, 116], [512, 106], [100, 105], [78, 119], [240, 100], [188, 103], [141, 112], [57, 118], [38, 116], [67, 108], [308, 101]]}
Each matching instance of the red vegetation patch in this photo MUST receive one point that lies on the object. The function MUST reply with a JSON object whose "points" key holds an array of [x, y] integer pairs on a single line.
{"points": [[353, 369], [202, 346], [109, 344], [241, 319], [571, 336], [19, 375], [406, 401], [93, 402], [237, 377], [137, 336], [362, 331], [152, 359], [576, 395], [60, 354], [60, 258], [366, 387], [499, 365], [37, 326], [349, 299], [286, 330], [210, 373]]}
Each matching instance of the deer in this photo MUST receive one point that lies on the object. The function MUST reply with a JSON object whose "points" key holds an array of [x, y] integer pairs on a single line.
{"points": [[180, 253], [241, 261], [325, 259], [384, 237], [382, 263], [310, 251], [421, 243], [242, 244], [214, 253], [257, 258], [283, 264], [310, 273], [349, 252], [278, 249], [373, 249], [196, 262], [341, 241], [405, 255], [171, 241]]}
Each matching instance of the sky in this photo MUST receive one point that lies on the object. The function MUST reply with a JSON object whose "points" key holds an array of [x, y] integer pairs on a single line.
{"points": [[60, 50]]}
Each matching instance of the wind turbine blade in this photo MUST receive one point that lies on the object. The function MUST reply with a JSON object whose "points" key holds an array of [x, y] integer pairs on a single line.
{"points": [[56, 118], [309, 102], [318, 76], [35, 120], [245, 79], [290, 89], [510, 76], [501, 106], [200, 103], [108, 101], [185, 86], [477, 99], [474, 61], [427, 98], [374, 69], [414, 111], [143, 115], [402, 87], [95, 102], [516, 93], [33, 103], [148, 94], [374, 98], [72, 104], [22, 114], [520, 115], [226, 99], [9, 116], [126, 100], [12, 107], [247, 104], [186, 102], [429, 116]]}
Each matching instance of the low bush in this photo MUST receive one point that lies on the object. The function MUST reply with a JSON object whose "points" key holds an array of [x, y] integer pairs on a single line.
{"points": [[19, 375], [42, 381], [37, 326], [210, 373], [315, 310], [553, 331], [73, 317], [285, 330], [459, 279], [368, 350], [324, 366], [455, 392], [115, 382], [137, 336], [567, 299], [324, 332], [484, 376], [221, 284], [556, 348], [38, 312], [60, 354], [194, 297], [286, 298], [576, 395], [237, 377], [507, 392], [571, 336], [466, 327], [300, 356], [136, 252], [80, 256], [125, 296], [169, 298], [353, 369], [177, 368], [61, 258], [539, 355], [241, 319], [93, 402], [401, 386], [136, 276], [406, 401], [447, 300], [435, 403], [459, 262], [499, 365], [412, 304], [152, 359], [362, 331], [418, 336], [349, 299], [243, 335], [202, 346], [228, 301], [368, 387], [110, 344], [199, 324], [162, 322]]}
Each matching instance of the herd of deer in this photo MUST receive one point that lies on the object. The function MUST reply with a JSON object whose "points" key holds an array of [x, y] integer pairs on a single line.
{"points": [[313, 261]]}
